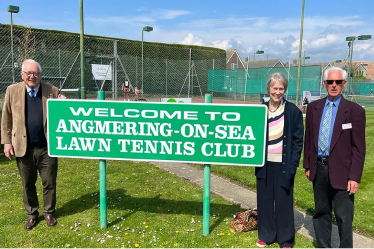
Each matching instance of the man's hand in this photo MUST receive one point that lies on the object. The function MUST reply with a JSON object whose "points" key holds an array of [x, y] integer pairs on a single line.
{"points": [[60, 96], [307, 173], [352, 187], [8, 151]]}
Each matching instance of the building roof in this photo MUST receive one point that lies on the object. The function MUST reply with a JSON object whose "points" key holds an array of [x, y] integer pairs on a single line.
{"points": [[263, 63], [233, 53]]}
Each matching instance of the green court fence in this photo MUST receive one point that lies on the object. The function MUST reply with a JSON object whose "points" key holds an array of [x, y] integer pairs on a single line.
{"points": [[252, 81], [249, 85], [162, 70]]}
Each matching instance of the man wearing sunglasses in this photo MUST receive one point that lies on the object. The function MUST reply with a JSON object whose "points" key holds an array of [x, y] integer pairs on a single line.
{"points": [[334, 155], [24, 135]]}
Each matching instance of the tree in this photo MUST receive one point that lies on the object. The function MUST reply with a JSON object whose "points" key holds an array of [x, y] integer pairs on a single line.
{"points": [[27, 46]]}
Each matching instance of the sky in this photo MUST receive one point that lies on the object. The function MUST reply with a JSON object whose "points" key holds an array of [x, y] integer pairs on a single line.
{"points": [[245, 25]]}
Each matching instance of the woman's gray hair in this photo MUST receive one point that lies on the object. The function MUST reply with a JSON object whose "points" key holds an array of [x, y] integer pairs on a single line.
{"points": [[335, 69], [277, 77], [31, 61]]}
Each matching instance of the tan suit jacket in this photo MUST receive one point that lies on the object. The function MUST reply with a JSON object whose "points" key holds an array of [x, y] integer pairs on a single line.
{"points": [[13, 122]]}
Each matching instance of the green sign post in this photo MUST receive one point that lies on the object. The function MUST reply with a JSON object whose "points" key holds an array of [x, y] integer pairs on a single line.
{"points": [[102, 181], [192, 133], [206, 187]]}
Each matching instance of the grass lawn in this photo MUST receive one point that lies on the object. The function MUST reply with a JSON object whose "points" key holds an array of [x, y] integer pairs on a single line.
{"points": [[147, 207], [303, 192]]}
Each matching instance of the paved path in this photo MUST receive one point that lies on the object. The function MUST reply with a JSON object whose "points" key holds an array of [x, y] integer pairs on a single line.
{"points": [[247, 199]]}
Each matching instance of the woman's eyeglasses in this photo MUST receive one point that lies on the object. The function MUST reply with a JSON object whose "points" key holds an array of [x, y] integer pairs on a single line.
{"points": [[330, 82]]}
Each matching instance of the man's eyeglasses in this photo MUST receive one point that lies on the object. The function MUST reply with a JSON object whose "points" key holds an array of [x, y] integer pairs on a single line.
{"points": [[330, 82], [35, 74]]}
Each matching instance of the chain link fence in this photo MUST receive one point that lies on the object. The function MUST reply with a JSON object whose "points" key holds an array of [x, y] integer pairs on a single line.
{"points": [[245, 80], [158, 70], [164, 70]]}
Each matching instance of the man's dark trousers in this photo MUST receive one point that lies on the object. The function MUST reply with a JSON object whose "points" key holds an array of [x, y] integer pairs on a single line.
{"points": [[326, 197], [35, 160]]}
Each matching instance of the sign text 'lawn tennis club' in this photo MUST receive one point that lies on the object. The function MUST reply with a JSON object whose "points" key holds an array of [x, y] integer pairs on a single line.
{"points": [[193, 133]]}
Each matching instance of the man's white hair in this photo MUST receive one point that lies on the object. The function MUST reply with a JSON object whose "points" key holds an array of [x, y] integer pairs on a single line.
{"points": [[334, 69], [31, 61]]}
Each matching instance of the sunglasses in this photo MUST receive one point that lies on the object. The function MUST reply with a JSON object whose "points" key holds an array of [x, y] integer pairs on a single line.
{"points": [[330, 82]]}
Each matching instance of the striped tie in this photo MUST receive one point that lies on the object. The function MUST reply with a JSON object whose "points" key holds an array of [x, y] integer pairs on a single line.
{"points": [[326, 126], [32, 93]]}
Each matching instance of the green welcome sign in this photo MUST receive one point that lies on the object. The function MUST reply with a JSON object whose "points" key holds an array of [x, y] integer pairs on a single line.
{"points": [[193, 133]]}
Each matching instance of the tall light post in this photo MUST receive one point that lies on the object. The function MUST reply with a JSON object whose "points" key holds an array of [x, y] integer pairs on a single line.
{"points": [[350, 40], [81, 45], [254, 56], [305, 58], [300, 49], [146, 29], [12, 9]]}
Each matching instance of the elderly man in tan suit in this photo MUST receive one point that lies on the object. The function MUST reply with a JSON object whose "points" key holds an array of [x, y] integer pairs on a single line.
{"points": [[24, 135]]}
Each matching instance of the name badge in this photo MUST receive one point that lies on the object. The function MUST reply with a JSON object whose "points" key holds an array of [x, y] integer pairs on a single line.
{"points": [[347, 126]]}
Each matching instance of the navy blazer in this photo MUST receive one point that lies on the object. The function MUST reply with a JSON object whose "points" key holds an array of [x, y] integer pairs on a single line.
{"points": [[292, 145], [347, 148]]}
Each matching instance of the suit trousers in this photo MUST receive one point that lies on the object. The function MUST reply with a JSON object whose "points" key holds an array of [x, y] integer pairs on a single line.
{"points": [[34, 161], [275, 212], [326, 198]]}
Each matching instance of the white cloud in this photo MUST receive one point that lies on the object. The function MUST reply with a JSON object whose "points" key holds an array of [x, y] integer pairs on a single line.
{"points": [[164, 14], [296, 43], [276, 36], [224, 44], [191, 40], [324, 41], [359, 47], [279, 41]]}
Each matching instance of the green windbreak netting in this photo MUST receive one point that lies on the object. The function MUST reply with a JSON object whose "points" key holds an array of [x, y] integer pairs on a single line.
{"points": [[254, 82]]}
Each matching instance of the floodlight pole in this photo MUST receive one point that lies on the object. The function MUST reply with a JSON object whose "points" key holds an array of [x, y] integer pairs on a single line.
{"points": [[336, 61], [300, 51], [305, 58], [350, 40], [142, 57], [350, 62], [11, 37], [83, 82], [254, 56], [11, 10], [147, 29]]}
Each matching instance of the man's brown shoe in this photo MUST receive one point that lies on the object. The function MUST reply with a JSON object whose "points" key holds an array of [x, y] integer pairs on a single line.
{"points": [[51, 221], [30, 224]]}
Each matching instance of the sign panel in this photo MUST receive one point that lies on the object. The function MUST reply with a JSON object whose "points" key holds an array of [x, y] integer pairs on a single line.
{"points": [[102, 72], [315, 95], [193, 133], [306, 98]]}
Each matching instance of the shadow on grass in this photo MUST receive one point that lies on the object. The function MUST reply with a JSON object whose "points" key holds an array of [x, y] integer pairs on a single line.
{"points": [[122, 201]]}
